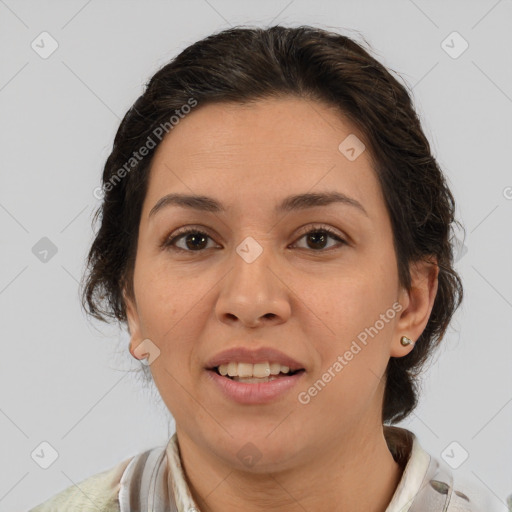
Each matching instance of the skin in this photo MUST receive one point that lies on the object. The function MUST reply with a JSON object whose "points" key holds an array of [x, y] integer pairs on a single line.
{"points": [[307, 300]]}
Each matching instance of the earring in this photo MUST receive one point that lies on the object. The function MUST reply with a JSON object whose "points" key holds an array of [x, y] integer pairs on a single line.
{"points": [[404, 340]]}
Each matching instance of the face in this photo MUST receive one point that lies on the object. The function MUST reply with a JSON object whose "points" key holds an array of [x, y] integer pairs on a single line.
{"points": [[252, 275]]}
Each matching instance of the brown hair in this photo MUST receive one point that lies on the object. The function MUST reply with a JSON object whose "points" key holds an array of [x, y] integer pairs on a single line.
{"points": [[246, 64]]}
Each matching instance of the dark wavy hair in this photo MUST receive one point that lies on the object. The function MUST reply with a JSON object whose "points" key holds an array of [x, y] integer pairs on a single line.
{"points": [[245, 64]]}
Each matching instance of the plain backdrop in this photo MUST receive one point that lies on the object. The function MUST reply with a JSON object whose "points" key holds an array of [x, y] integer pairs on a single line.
{"points": [[64, 378]]}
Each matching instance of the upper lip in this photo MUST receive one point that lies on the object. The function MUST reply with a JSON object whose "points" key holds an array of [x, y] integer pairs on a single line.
{"points": [[259, 355]]}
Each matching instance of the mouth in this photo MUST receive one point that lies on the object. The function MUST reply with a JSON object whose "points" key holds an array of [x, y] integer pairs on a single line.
{"points": [[255, 379], [253, 390], [254, 376]]}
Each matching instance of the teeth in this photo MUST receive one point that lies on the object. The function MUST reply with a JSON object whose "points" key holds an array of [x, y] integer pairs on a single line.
{"points": [[254, 379], [248, 370], [275, 368], [231, 369]]}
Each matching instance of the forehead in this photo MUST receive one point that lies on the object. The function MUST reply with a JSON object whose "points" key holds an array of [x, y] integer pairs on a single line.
{"points": [[263, 151]]}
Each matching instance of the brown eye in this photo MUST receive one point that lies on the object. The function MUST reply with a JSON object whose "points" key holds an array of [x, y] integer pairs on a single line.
{"points": [[318, 237], [193, 241]]}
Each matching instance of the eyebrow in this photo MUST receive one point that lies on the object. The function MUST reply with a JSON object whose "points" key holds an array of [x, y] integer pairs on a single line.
{"points": [[290, 203]]}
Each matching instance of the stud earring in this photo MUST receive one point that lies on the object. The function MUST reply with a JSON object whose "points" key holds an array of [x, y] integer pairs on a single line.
{"points": [[404, 340]]}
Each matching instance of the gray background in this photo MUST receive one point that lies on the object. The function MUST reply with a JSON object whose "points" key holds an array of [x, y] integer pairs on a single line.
{"points": [[63, 378]]}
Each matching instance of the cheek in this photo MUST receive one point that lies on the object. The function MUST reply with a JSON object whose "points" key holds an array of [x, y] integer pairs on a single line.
{"points": [[353, 315], [347, 394], [353, 349], [350, 301], [164, 297]]}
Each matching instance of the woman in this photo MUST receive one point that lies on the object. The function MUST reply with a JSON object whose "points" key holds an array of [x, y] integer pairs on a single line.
{"points": [[275, 232]]}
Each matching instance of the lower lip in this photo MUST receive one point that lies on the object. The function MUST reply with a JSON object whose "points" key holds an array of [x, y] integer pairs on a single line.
{"points": [[257, 392]]}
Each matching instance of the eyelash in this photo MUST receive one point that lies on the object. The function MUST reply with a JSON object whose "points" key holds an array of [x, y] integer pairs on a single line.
{"points": [[168, 243]]}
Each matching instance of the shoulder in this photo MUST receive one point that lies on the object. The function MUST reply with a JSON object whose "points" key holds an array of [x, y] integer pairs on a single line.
{"points": [[429, 485], [98, 492], [442, 489], [469, 495]]}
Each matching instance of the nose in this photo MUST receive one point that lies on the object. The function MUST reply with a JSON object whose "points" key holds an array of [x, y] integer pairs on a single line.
{"points": [[253, 294]]}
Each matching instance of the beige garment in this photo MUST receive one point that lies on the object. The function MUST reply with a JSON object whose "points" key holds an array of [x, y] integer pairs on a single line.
{"points": [[98, 493]]}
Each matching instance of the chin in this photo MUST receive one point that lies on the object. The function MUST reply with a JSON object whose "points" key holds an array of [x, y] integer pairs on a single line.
{"points": [[257, 452]]}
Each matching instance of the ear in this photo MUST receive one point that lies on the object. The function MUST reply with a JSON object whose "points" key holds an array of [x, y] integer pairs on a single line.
{"points": [[132, 317], [417, 305]]}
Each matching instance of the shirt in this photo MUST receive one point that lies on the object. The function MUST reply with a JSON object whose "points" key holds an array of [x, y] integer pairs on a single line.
{"points": [[154, 481]]}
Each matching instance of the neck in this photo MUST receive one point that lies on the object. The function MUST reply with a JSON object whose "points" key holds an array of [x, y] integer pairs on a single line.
{"points": [[358, 474]]}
